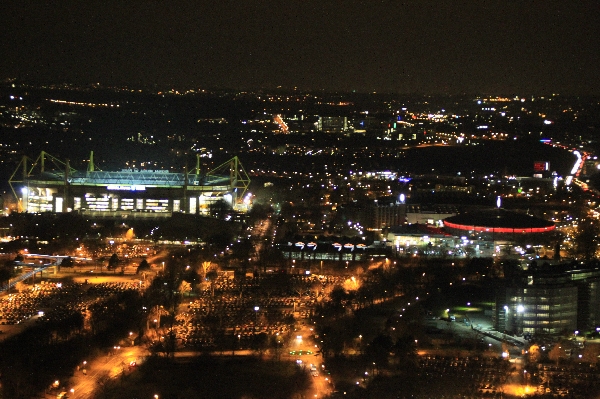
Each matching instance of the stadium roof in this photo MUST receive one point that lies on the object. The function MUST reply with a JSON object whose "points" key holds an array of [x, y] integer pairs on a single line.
{"points": [[48, 170]]}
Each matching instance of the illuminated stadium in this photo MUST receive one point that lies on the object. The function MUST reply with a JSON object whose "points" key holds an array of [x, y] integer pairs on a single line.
{"points": [[48, 184], [496, 224]]}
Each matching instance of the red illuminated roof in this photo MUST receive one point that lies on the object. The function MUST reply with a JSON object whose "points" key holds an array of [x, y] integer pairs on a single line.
{"points": [[519, 230], [499, 221]]}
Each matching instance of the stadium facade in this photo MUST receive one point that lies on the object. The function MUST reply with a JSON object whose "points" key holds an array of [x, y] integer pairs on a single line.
{"points": [[48, 184]]}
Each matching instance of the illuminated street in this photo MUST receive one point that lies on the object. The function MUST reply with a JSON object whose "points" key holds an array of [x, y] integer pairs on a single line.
{"points": [[91, 376]]}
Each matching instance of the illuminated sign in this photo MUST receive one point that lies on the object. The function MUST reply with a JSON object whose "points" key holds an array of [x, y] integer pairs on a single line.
{"points": [[541, 166], [126, 188]]}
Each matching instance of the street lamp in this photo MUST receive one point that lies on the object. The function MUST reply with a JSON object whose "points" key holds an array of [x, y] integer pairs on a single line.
{"points": [[256, 309]]}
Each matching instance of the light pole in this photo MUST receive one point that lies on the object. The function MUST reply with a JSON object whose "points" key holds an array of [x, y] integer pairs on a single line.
{"points": [[277, 342], [256, 309]]}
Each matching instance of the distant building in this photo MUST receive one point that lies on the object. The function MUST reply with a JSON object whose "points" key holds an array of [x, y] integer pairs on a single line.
{"points": [[443, 188], [332, 124], [419, 238], [378, 214], [384, 213], [429, 214]]}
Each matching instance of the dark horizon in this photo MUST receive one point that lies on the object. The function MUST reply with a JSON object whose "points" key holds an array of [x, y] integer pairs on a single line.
{"points": [[156, 88], [421, 47]]}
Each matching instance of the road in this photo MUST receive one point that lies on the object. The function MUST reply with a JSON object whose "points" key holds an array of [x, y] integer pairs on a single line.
{"points": [[304, 340], [98, 370], [261, 231]]}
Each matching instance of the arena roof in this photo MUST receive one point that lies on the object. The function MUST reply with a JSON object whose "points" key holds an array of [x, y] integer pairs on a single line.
{"points": [[499, 221]]}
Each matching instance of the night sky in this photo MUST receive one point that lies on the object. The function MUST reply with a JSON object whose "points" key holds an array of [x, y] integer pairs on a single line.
{"points": [[419, 46]]}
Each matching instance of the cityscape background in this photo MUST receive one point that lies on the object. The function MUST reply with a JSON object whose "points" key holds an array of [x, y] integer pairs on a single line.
{"points": [[360, 199]]}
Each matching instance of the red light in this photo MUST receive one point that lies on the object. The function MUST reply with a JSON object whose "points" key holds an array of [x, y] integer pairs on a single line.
{"points": [[527, 230]]}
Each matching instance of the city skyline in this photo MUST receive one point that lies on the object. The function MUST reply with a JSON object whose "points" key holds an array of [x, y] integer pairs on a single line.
{"points": [[408, 47]]}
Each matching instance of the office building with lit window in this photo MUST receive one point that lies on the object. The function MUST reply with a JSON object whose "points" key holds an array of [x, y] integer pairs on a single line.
{"points": [[548, 300]]}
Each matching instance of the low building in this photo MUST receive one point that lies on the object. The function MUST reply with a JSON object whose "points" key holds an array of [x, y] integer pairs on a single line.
{"points": [[420, 239]]}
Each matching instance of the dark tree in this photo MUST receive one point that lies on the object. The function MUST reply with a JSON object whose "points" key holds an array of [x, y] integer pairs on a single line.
{"points": [[219, 209], [191, 276], [586, 240], [113, 262], [5, 275], [67, 262], [143, 266], [379, 349]]}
